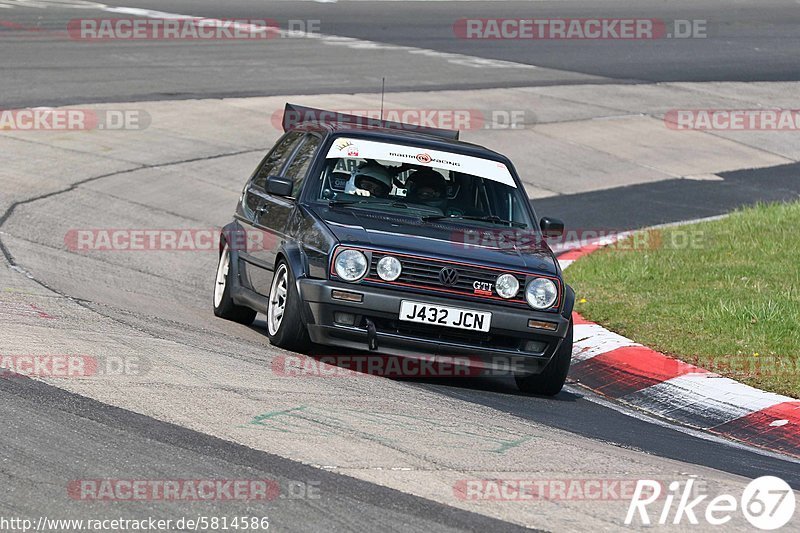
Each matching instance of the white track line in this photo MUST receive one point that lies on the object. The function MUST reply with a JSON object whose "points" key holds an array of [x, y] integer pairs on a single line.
{"points": [[335, 40], [704, 400], [592, 340]]}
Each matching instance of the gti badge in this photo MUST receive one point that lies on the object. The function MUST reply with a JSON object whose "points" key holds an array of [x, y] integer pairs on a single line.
{"points": [[482, 288]]}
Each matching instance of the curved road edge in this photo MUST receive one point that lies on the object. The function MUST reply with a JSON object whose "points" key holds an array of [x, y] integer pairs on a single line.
{"points": [[619, 368]]}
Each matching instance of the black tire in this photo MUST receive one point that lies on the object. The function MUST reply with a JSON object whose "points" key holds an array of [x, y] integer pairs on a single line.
{"points": [[551, 380], [292, 333], [226, 308]]}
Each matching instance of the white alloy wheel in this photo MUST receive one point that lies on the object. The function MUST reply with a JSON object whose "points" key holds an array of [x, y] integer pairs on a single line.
{"points": [[277, 299], [222, 276]]}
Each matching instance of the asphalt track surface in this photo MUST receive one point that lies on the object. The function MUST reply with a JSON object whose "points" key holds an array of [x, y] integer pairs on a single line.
{"points": [[670, 201], [747, 43], [35, 414]]}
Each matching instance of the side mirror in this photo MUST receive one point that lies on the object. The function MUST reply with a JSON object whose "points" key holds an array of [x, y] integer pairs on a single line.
{"points": [[280, 186], [551, 227]]}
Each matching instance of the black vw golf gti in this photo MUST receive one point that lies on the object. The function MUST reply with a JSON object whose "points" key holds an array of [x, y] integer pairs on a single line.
{"points": [[400, 240]]}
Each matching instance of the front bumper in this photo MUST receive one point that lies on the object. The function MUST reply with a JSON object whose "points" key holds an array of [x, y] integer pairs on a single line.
{"points": [[509, 344]]}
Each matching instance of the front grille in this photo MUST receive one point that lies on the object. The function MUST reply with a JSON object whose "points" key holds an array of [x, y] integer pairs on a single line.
{"points": [[424, 273]]}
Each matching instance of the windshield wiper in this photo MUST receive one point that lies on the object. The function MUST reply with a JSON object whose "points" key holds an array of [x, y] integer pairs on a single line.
{"points": [[334, 202], [483, 218]]}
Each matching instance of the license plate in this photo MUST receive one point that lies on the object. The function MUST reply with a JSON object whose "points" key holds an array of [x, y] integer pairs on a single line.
{"points": [[441, 315]]}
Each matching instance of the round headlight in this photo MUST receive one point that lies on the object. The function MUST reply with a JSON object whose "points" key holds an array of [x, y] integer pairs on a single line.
{"points": [[507, 285], [351, 265], [541, 293], [389, 268]]}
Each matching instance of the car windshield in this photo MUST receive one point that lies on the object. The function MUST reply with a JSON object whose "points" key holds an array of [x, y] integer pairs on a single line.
{"points": [[421, 182]]}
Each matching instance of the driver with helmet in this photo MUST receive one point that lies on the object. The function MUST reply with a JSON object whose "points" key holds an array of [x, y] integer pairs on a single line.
{"points": [[427, 186], [373, 178], [424, 185]]}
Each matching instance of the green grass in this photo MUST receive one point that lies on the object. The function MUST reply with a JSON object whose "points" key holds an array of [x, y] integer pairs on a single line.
{"points": [[724, 295]]}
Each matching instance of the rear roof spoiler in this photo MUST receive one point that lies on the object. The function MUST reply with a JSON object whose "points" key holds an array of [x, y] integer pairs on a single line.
{"points": [[294, 115]]}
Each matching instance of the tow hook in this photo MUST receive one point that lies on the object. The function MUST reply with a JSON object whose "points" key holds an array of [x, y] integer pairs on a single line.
{"points": [[372, 336]]}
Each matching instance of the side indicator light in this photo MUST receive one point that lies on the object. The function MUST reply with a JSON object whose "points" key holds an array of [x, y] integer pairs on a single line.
{"points": [[347, 296], [541, 324]]}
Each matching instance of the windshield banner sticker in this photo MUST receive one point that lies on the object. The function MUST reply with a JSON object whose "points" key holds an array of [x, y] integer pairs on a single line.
{"points": [[475, 166]]}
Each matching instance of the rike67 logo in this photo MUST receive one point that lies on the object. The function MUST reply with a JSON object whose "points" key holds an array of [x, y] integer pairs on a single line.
{"points": [[767, 503]]}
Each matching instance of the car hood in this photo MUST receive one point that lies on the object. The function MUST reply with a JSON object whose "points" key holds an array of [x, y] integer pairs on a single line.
{"points": [[501, 247]]}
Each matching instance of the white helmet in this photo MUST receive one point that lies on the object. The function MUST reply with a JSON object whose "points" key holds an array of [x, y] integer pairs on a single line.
{"points": [[376, 174]]}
